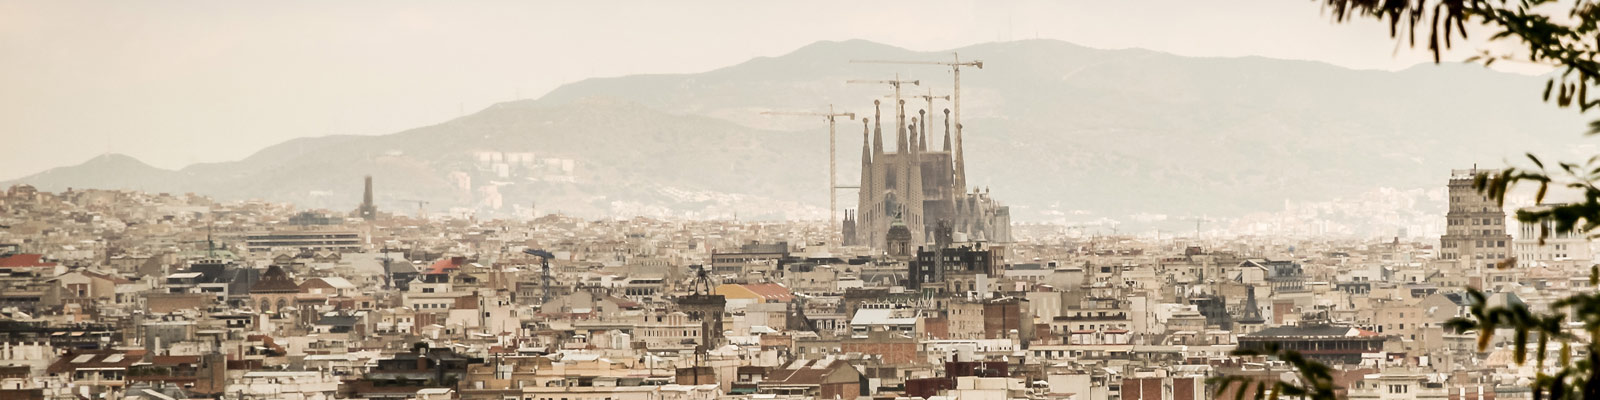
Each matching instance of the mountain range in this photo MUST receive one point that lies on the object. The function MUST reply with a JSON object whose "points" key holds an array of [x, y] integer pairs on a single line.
{"points": [[1056, 130]]}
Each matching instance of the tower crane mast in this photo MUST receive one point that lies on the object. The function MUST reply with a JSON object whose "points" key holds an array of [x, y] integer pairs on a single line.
{"points": [[930, 98], [544, 277], [833, 149], [421, 204], [896, 83]]}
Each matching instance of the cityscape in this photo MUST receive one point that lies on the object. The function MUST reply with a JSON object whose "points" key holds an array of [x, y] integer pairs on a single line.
{"points": [[1108, 222]]}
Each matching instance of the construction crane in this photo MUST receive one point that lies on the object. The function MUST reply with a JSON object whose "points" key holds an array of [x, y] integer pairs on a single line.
{"points": [[930, 98], [544, 267], [211, 245], [896, 83], [955, 68], [833, 149]]}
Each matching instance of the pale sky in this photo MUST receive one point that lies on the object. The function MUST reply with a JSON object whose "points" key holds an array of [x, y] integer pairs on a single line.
{"points": [[174, 83]]}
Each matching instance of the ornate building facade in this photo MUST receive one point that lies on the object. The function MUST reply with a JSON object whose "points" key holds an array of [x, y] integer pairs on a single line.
{"points": [[923, 189]]}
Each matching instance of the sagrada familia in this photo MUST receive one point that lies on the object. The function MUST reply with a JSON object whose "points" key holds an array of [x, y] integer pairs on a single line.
{"points": [[914, 197]]}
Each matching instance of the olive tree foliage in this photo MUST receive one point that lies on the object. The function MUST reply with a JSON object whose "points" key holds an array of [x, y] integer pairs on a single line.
{"points": [[1565, 36]]}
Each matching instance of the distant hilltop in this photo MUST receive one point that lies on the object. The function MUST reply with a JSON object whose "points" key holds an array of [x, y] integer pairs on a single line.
{"points": [[1064, 131]]}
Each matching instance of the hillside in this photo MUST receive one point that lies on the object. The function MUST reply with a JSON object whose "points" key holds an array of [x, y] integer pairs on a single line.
{"points": [[1052, 128]]}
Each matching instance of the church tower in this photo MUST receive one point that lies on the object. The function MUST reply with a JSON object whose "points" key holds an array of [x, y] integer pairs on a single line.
{"points": [[878, 217], [367, 211], [913, 193], [863, 222], [899, 240]]}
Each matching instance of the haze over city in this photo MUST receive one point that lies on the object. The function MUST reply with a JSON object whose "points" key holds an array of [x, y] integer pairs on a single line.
{"points": [[717, 200], [178, 83]]}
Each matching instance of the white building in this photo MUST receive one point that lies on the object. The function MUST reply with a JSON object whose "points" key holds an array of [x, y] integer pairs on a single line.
{"points": [[1398, 386], [285, 385], [1558, 248]]}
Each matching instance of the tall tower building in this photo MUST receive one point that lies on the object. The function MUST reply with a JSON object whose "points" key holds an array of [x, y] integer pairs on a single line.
{"points": [[367, 211], [1475, 227]]}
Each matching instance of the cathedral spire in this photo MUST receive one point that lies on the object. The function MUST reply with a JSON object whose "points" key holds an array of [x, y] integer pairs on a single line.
{"points": [[947, 130], [961, 162], [866, 146], [922, 130], [916, 137], [877, 130], [865, 195], [900, 145]]}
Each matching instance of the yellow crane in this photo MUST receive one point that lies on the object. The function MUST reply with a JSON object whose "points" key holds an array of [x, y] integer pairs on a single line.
{"points": [[833, 148]]}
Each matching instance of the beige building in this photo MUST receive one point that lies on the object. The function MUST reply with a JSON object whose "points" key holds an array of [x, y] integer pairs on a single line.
{"points": [[1475, 228]]}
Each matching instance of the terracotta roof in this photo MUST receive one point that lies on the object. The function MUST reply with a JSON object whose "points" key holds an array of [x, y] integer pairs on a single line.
{"points": [[771, 291], [24, 261], [766, 292], [113, 278], [445, 265]]}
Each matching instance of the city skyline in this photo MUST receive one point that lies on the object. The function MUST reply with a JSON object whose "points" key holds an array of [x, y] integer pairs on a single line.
{"points": [[1164, 200]]}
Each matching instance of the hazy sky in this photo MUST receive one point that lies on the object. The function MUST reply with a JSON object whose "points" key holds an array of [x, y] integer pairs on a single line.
{"points": [[177, 83]]}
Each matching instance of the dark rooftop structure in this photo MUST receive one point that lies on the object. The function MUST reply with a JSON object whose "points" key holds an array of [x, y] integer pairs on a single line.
{"points": [[1327, 343]]}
